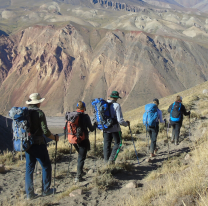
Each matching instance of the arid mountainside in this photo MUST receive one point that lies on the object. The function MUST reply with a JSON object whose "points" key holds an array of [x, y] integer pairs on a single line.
{"points": [[70, 63]]}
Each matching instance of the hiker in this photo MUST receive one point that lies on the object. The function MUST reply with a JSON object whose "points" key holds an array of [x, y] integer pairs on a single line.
{"points": [[153, 131], [113, 132], [177, 110], [38, 151], [82, 145]]}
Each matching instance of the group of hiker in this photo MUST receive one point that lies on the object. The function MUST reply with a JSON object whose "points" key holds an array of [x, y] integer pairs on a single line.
{"points": [[32, 123]]}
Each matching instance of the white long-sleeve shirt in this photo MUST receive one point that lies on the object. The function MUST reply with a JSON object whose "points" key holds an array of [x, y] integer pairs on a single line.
{"points": [[115, 111]]}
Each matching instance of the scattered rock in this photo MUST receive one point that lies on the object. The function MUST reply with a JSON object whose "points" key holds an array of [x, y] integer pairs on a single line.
{"points": [[204, 131], [38, 190], [76, 192], [38, 172], [205, 91], [148, 160], [91, 171], [187, 157], [2, 168], [131, 185]]}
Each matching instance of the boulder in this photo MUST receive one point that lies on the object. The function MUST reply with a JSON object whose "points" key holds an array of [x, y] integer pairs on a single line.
{"points": [[75, 193], [131, 185]]}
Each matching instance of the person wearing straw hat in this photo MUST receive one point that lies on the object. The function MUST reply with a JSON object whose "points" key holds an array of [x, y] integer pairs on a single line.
{"points": [[38, 151], [114, 132]]}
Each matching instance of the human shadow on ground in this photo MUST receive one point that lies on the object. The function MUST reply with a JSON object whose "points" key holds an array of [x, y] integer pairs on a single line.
{"points": [[141, 171]]}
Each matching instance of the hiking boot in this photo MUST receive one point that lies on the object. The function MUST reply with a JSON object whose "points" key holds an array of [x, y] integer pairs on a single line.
{"points": [[111, 162], [31, 197], [152, 155], [49, 192], [78, 179], [83, 174], [155, 152], [176, 143]]}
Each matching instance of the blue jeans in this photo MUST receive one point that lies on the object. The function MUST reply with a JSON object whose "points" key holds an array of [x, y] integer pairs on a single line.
{"points": [[40, 153]]}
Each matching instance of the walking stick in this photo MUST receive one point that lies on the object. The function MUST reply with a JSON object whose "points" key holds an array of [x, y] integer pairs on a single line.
{"points": [[55, 168], [147, 137], [134, 144], [69, 158], [36, 170], [189, 127], [95, 149], [167, 128]]}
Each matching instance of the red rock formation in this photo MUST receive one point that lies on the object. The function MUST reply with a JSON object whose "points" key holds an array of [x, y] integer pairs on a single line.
{"points": [[73, 63]]}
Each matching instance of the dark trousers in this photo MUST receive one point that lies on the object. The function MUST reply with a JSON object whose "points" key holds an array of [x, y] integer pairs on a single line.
{"points": [[37, 153], [153, 132], [82, 149], [176, 131], [108, 137]]}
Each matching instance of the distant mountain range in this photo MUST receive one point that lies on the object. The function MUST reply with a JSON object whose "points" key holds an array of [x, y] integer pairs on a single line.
{"points": [[201, 5], [75, 50]]}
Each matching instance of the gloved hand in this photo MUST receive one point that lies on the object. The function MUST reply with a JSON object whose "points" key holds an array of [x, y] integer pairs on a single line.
{"points": [[95, 124], [128, 123], [56, 137], [189, 113], [165, 120]]}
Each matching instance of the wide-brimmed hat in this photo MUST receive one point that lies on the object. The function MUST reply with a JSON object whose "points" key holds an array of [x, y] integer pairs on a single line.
{"points": [[35, 99], [115, 94]]}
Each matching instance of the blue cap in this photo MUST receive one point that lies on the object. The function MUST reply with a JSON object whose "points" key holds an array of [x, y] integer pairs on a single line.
{"points": [[82, 103]]}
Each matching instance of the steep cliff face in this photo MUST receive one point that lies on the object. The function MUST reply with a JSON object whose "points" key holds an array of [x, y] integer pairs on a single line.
{"points": [[73, 63]]}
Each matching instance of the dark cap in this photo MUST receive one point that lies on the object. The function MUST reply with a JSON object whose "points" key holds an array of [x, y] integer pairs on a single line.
{"points": [[115, 94], [156, 100]]}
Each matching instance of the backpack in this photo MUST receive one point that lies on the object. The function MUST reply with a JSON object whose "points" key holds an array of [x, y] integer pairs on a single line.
{"points": [[150, 116], [22, 139], [102, 114], [175, 113], [74, 128]]}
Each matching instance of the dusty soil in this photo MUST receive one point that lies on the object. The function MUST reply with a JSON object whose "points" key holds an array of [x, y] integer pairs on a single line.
{"points": [[12, 182]]}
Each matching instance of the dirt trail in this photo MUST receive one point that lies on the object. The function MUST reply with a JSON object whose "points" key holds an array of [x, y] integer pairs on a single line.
{"points": [[12, 182]]}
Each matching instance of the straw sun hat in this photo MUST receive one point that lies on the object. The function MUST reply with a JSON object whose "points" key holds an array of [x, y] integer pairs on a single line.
{"points": [[35, 99]]}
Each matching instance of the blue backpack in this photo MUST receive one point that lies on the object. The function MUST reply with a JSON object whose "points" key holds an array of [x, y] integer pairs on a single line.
{"points": [[175, 113], [102, 114], [22, 139], [150, 116]]}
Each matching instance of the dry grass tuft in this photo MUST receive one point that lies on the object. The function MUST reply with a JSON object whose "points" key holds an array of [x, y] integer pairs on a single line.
{"points": [[8, 158], [67, 192], [104, 181]]}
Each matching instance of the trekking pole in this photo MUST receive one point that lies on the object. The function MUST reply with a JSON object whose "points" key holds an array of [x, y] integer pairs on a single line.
{"points": [[95, 149], [147, 137], [55, 168], [134, 144], [189, 128], [69, 158], [36, 170], [167, 127]]}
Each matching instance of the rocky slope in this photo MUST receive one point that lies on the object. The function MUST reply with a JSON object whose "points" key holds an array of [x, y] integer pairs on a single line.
{"points": [[71, 63]]}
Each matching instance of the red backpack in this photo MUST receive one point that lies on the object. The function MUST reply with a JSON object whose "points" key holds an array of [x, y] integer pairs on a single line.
{"points": [[75, 132]]}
